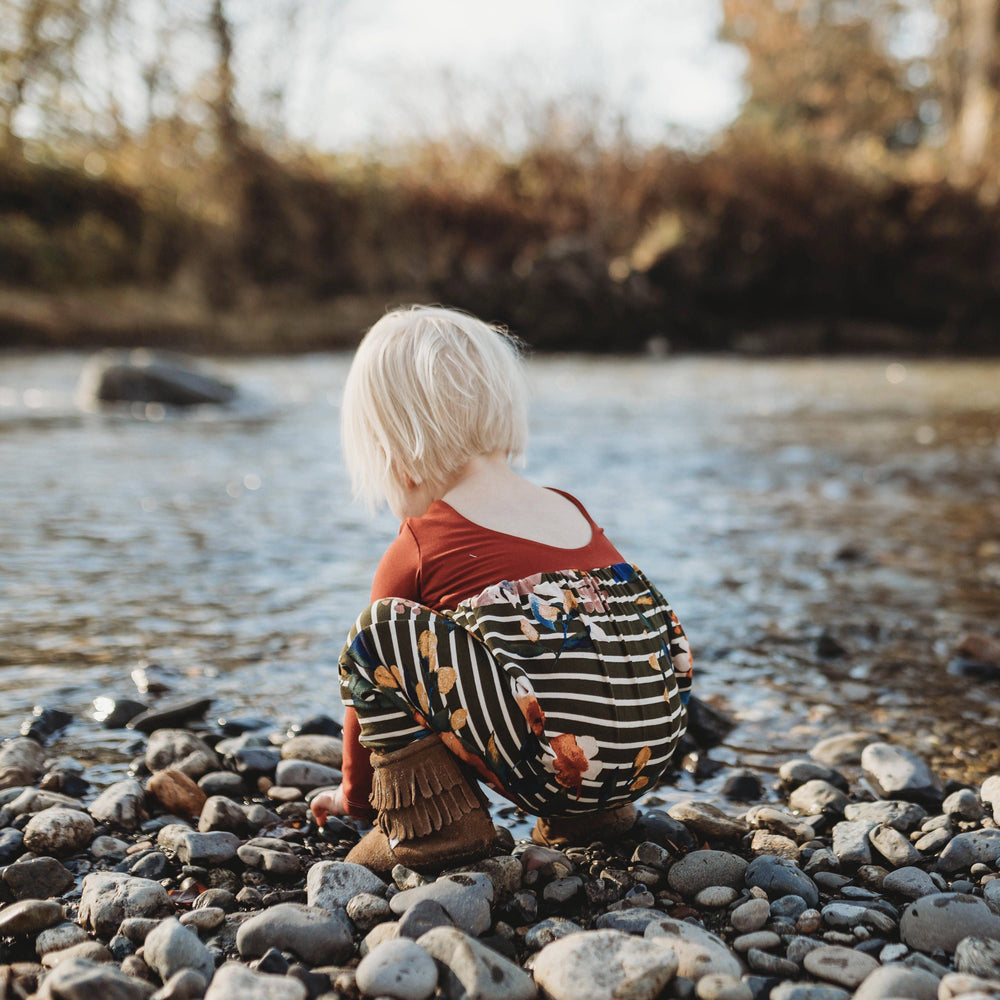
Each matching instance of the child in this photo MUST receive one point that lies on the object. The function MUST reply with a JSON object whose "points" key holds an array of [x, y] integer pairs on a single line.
{"points": [[507, 639]]}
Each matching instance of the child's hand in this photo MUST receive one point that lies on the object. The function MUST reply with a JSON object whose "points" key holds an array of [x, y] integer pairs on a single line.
{"points": [[327, 804]]}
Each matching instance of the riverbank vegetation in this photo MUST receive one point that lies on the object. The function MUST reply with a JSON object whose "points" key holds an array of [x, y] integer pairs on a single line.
{"points": [[854, 204]]}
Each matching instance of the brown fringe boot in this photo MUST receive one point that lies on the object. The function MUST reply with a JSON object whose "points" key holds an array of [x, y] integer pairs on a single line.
{"points": [[584, 828], [430, 815]]}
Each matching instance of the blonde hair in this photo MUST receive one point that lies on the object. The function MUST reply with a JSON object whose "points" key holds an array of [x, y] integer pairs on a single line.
{"points": [[428, 389]]}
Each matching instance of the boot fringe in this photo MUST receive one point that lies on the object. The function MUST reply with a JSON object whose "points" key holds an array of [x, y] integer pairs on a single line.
{"points": [[429, 795]]}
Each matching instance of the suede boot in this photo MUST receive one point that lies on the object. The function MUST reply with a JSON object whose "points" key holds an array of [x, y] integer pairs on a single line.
{"points": [[430, 815], [584, 828]]}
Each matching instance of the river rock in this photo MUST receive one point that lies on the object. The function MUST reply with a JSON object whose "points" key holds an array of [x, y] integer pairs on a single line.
{"points": [[108, 898], [325, 750], [989, 792], [11, 845], [224, 783], [236, 982], [400, 969], [182, 750], [184, 985], [58, 831], [170, 715], [939, 922], [305, 774], [176, 792], [114, 713], [844, 748], [333, 884], [59, 937], [897, 813], [139, 376], [699, 952], [315, 935], [604, 965], [547, 931], [851, 844], [978, 957], [958, 984], [280, 863], [817, 797], [894, 847], [35, 878], [466, 899], [22, 760], [707, 820], [171, 947], [963, 804], [780, 877], [470, 969], [664, 830], [222, 813], [750, 916], [423, 917], [701, 869], [808, 991], [898, 980], [966, 849], [120, 804], [910, 882], [206, 849], [81, 979], [898, 773], [843, 966], [29, 916]]}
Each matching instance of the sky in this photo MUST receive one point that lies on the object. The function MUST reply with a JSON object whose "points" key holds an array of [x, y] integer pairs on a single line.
{"points": [[384, 70]]}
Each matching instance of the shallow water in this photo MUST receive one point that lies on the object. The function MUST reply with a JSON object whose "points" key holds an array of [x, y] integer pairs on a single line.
{"points": [[772, 501]]}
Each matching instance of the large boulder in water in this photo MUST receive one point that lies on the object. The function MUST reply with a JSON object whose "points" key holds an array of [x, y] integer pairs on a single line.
{"points": [[142, 377]]}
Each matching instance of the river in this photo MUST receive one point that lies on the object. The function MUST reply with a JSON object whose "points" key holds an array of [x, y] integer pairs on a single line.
{"points": [[788, 509]]}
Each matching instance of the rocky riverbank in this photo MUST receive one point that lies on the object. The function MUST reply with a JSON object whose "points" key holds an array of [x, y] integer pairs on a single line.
{"points": [[202, 875]]}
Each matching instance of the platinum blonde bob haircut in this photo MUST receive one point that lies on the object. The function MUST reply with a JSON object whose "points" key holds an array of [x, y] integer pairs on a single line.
{"points": [[428, 389]]}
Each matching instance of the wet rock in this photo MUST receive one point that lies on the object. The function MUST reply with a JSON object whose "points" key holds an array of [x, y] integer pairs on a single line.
{"points": [[978, 957], [114, 713], [333, 884], [701, 869], [706, 820], [206, 849], [305, 774], [465, 898], [898, 980], [58, 831], [898, 773], [36, 878], [699, 952], [254, 762], [171, 947], [604, 965], [967, 849], [176, 792], [29, 917], [44, 723], [179, 749], [399, 968], [665, 831], [817, 797], [316, 936], [780, 877], [939, 922], [236, 982], [842, 966], [470, 969], [170, 715], [221, 783], [743, 786], [81, 979], [108, 898], [121, 805], [139, 376], [756, 940], [844, 748]]}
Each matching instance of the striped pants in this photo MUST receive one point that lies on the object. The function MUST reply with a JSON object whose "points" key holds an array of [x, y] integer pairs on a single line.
{"points": [[565, 692]]}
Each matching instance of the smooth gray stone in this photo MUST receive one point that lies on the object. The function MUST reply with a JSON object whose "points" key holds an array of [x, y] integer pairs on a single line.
{"points": [[898, 980], [562, 890], [554, 928], [184, 985], [978, 957], [701, 869], [472, 970], [897, 813], [326, 750], [318, 937], [771, 965], [58, 830], [750, 916], [222, 783], [991, 893], [894, 847], [171, 947], [842, 966], [844, 748], [966, 849], [800, 770], [60, 936], [29, 916], [108, 898], [780, 877], [964, 804], [333, 884], [816, 797], [466, 899], [399, 968], [279, 863], [305, 774], [182, 750], [897, 773], [81, 979], [851, 843], [634, 920], [989, 792], [421, 918], [37, 877], [221, 813], [939, 922], [168, 714], [699, 952], [112, 376], [206, 849], [842, 916], [808, 991], [234, 981], [121, 804], [934, 841], [798, 947]]}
